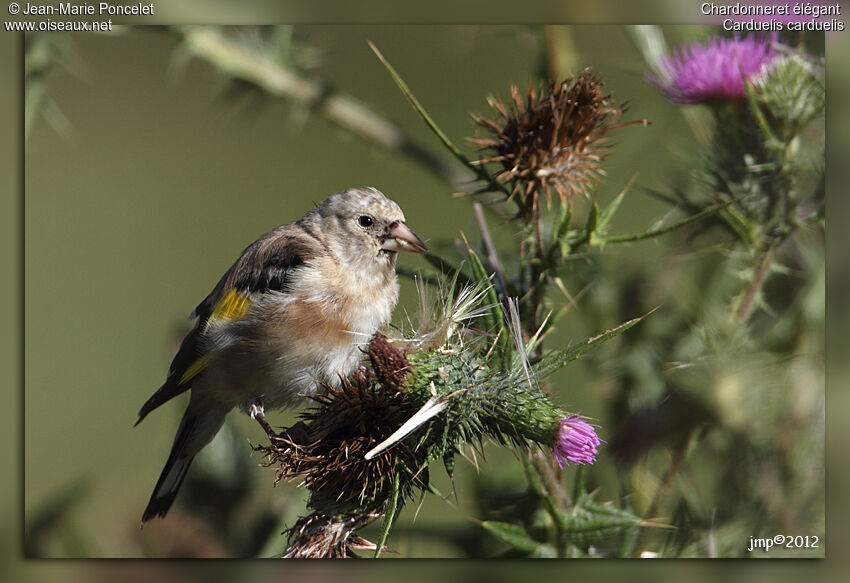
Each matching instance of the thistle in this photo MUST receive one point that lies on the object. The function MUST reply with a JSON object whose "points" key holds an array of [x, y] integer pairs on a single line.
{"points": [[715, 71], [367, 446], [554, 139], [577, 442]]}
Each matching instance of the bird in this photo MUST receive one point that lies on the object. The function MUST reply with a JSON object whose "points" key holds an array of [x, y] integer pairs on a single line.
{"points": [[288, 318]]}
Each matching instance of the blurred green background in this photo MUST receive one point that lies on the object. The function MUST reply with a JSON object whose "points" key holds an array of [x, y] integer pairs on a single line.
{"points": [[136, 205]]}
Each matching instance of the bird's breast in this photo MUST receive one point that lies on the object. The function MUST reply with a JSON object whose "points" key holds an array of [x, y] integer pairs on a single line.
{"points": [[355, 301]]}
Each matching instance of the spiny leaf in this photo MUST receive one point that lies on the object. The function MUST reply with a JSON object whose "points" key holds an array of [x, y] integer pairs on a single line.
{"points": [[513, 534], [558, 358], [606, 215], [664, 230], [559, 235], [738, 223], [494, 317], [449, 462], [591, 522]]}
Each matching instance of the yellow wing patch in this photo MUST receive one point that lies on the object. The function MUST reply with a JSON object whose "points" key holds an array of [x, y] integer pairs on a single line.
{"points": [[195, 368], [233, 306]]}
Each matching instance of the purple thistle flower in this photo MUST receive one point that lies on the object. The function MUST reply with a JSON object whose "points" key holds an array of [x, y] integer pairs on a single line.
{"points": [[577, 442], [715, 70]]}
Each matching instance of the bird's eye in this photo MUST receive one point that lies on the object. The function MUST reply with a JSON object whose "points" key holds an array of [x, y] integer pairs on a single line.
{"points": [[365, 221]]}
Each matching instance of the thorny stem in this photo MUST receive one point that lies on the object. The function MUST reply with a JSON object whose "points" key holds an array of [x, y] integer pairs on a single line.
{"points": [[535, 257], [547, 485], [552, 479], [759, 278], [534, 476]]}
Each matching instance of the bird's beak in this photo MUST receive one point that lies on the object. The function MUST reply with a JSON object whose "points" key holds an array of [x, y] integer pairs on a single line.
{"points": [[401, 238]]}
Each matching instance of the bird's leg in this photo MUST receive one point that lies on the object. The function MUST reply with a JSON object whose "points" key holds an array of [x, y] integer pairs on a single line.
{"points": [[257, 413]]}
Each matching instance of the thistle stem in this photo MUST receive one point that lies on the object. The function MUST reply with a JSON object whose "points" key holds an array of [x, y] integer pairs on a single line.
{"points": [[492, 255], [536, 289], [751, 292]]}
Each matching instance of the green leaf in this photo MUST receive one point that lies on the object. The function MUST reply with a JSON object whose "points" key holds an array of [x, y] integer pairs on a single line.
{"points": [[494, 318], [453, 287], [512, 534], [590, 522], [655, 232], [449, 462], [591, 225], [391, 511], [738, 223], [559, 233], [558, 358], [606, 215]]}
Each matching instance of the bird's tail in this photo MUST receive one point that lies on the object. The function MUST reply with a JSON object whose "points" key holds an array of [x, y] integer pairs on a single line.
{"points": [[196, 430]]}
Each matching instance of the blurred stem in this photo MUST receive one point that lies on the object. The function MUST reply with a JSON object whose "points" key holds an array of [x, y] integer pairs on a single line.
{"points": [[760, 276], [558, 54], [536, 472], [492, 256], [533, 264], [655, 506], [209, 44]]}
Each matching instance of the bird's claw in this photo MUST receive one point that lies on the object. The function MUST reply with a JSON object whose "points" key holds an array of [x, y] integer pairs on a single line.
{"points": [[258, 413]]}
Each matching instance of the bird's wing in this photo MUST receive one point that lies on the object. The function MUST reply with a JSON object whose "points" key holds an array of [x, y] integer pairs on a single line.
{"points": [[267, 265]]}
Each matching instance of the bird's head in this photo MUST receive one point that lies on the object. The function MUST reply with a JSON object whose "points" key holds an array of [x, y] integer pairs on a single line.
{"points": [[363, 225]]}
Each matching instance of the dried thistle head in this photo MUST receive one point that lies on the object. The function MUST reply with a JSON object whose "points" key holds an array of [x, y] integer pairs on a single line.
{"points": [[551, 140], [320, 536], [327, 449]]}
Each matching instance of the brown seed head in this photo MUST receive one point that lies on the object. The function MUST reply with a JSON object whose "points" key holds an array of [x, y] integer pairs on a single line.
{"points": [[551, 140], [327, 449]]}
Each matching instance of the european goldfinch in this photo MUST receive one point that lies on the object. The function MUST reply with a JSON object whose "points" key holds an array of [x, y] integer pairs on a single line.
{"points": [[289, 317]]}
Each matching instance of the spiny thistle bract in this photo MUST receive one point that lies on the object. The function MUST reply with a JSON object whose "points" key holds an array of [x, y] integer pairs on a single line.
{"points": [[791, 93], [554, 139], [366, 446]]}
